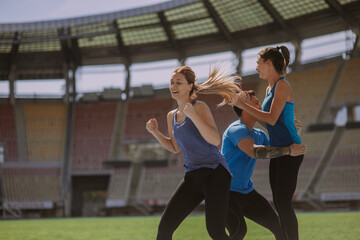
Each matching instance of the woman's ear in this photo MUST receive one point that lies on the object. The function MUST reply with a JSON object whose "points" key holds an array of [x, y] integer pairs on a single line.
{"points": [[191, 86]]}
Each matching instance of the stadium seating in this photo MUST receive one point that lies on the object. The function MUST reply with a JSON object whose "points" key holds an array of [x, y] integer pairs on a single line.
{"points": [[45, 129], [36, 184], [31, 185], [8, 131], [93, 135], [342, 176], [140, 111], [309, 89], [119, 187], [349, 86], [157, 184], [316, 142]]}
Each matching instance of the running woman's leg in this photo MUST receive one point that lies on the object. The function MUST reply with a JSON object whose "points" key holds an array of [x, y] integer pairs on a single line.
{"points": [[181, 204], [216, 202]]}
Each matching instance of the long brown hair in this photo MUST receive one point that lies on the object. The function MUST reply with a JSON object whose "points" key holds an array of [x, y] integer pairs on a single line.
{"points": [[217, 83]]}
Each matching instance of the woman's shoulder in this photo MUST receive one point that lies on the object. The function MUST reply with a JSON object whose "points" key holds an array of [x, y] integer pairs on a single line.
{"points": [[171, 113], [201, 105], [199, 102], [284, 90], [283, 84]]}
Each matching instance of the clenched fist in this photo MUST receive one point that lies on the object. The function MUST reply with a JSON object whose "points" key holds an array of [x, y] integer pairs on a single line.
{"points": [[152, 125], [189, 110]]}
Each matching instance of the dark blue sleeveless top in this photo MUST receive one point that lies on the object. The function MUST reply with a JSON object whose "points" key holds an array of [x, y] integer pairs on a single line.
{"points": [[283, 133], [198, 153]]}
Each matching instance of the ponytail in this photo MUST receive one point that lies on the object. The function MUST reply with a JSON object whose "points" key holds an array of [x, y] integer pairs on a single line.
{"points": [[217, 83], [286, 55], [220, 84]]}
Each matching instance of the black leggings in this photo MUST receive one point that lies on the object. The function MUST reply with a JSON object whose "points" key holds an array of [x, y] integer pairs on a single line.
{"points": [[283, 178], [205, 183], [256, 208]]}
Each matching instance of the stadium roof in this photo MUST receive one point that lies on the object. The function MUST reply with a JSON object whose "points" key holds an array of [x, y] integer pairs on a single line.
{"points": [[171, 30]]}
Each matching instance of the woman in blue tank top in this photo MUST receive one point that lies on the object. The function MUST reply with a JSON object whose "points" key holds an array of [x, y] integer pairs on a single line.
{"points": [[192, 129], [278, 114]]}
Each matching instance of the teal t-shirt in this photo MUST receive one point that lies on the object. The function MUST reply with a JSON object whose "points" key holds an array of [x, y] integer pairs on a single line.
{"points": [[241, 165]]}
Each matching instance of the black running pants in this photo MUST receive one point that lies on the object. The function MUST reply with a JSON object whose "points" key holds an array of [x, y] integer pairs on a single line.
{"points": [[205, 183], [283, 173], [254, 207]]}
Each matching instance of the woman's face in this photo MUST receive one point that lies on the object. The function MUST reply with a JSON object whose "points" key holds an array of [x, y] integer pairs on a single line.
{"points": [[179, 86], [262, 67]]}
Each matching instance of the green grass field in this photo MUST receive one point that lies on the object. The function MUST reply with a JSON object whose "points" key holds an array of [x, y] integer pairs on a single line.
{"points": [[314, 226]]}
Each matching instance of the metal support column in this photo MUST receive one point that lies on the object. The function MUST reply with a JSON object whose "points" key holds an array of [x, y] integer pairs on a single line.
{"points": [[330, 92], [127, 81]]}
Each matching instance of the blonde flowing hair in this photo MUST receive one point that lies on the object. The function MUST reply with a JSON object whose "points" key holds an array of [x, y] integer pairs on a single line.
{"points": [[217, 83]]}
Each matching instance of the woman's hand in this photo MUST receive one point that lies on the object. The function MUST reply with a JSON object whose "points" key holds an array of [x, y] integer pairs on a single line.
{"points": [[297, 149], [152, 125], [298, 125], [242, 98], [189, 110]]}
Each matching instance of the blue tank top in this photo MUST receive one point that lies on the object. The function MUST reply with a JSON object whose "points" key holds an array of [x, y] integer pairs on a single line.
{"points": [[198, 153], [283, 133]]}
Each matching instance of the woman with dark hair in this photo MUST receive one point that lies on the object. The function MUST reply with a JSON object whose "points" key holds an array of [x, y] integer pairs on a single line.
{"points": [[242, 145], [192, 129], [278, 114]]}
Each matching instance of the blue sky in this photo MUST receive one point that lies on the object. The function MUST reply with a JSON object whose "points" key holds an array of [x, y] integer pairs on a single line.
{"points": [[38, 10], [95, 79]]}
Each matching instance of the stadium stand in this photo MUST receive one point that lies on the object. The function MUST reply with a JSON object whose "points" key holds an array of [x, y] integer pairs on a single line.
{"points": [[157, 184], [94, 126], [55, 149], [341, 181], [8, 132], [139, 112], [45, 130], [309, 89], [31, 186], [119, 188], [348, 89], [316, 143]]}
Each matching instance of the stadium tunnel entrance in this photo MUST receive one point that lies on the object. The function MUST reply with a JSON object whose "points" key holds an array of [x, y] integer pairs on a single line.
{"points": [[89, 195]]}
